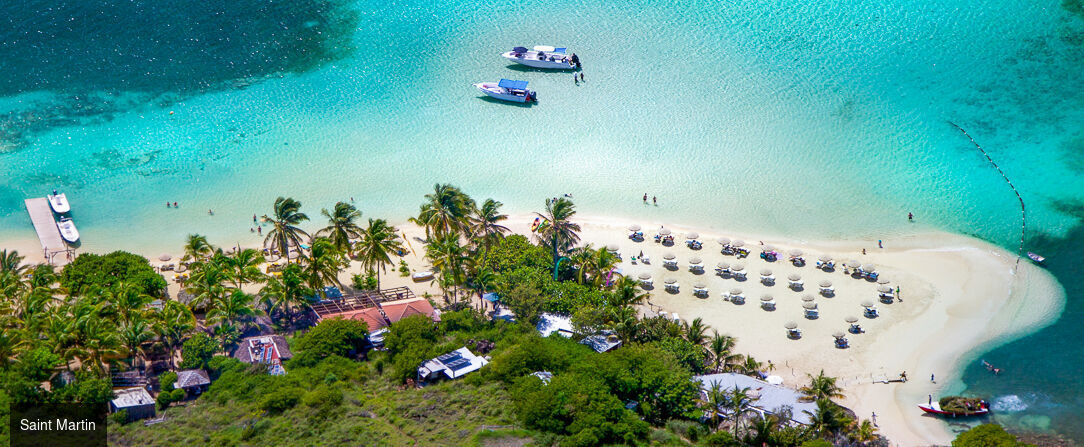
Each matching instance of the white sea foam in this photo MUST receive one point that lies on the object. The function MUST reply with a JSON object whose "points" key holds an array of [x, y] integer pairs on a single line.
{"points": [[1009, 404]]}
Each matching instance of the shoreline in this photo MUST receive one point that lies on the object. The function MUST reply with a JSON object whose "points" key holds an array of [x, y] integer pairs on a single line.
{"points": [[955, 287]]}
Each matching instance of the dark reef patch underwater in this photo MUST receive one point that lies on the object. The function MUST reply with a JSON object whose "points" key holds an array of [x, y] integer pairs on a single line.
{"points": [[98, 58]]}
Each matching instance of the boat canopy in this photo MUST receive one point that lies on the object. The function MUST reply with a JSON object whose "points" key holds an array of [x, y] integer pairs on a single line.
{"points": [[520, 49], [559, 50], [512, 85]]}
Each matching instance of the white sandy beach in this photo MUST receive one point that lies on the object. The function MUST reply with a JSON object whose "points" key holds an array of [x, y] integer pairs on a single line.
{"points": [[958, 294]]}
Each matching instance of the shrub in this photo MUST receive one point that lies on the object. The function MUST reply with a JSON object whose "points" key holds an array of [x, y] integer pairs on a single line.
{"points": [[197, 351], [167, 380], [281, 400], [987, 435], [336, 336], [89, 270]]}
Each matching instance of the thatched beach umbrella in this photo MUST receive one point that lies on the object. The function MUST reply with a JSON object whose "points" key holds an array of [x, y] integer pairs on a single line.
{"points": [[700, 285], [165, 257], [767, 248], [735, 291], [723, 241], [765, 273], [794, 277], [824, 258], [794, 253], [851, 319], [644, 276], [669, 257], [766, 298], [838, 334], [881, 279], [634, 227], [826, 284], [738, 267], [664, 232], [737, 243], [809, 305], [723, 265], [868, 268], [790, 325], [884, 289], [853, 263], [670, 281], [693, 235], [612, 248], [867, 303], [807, 297], [695, 260]]}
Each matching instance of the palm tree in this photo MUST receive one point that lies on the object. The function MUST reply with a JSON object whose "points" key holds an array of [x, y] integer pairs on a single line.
{"points": [[134, 334], [378, 241], [762, 429], [207, 283], [196, 248], [627, 293], [285, 231], [864, 433], [559, 233], [243, 267], [11, 261], [581, 258], [821, 387], [446, 211], [623, 322], [447, 256], [696, 331], [714, 401], [172, 325], [826, 419], [322, 264], [228, 311], [722, 347], [738, 405], [485, 227], [750, 366], [100, 343], [602, 263], [12, 271], [342, 226], [286, 292]]}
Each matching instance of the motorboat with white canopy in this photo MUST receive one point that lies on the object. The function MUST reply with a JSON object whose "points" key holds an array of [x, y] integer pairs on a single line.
{"points": [[544, 56]]}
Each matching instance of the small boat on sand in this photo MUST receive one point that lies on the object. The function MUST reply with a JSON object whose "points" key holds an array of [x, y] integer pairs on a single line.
{"points": [[59, 203], [508, 90], [957, 406], [67, 229], [543, 56], [1035, 257]]}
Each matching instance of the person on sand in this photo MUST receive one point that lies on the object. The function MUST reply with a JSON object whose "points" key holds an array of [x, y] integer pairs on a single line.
{"points": [[931, 379], [879, 244], [863, 251]]}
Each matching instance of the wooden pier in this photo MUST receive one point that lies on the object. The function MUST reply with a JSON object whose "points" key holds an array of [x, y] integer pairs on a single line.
{"points": [[41, 215]]}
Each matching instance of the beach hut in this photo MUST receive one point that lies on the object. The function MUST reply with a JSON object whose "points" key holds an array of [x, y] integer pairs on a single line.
{"points": [[696, 264], [736, 296], [645, 279], [811, 311], [700, 290], [671, 285], [722, 268], [669, 260], [766, 276], [841, 340], [767, 302], [826, 288], [792, 330], [795, 281], [738, 271]]}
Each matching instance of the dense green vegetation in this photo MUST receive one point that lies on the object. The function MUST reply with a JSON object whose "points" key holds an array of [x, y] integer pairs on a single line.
{"points": [[987, 435], [94, 318]]}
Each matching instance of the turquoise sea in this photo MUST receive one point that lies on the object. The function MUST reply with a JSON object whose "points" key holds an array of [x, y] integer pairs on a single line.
{"points": [[819, 120]]}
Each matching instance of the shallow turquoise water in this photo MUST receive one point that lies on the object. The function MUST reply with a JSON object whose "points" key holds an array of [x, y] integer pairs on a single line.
{"points": [[817, 120]]}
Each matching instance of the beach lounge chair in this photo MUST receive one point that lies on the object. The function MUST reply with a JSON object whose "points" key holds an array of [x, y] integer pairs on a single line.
{"points": [[842, 343], [812, 314], [794, 334]]}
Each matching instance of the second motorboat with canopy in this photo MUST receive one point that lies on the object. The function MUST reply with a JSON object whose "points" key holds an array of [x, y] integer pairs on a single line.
{"points": [[59, 202], [508, 90], [544, 56]]}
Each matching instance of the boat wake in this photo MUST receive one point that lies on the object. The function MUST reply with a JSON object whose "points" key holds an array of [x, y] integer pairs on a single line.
{"points": [[1008, 404]]}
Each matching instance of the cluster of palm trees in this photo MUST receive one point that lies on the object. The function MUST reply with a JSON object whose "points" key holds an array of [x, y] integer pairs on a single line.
{"points": [[90, 329], [460, 233], [735, 407]]}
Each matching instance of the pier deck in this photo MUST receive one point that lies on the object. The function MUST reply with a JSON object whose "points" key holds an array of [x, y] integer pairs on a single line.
{"points": [[44, 224]]}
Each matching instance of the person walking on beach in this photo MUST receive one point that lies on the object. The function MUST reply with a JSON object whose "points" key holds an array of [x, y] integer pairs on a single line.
{"points": [[874, 418], [879, 244], [863, 251], [931, 379]]}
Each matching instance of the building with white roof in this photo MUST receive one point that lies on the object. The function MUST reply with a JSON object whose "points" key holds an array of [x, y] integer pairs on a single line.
{"points": [[452, 365], [770, 398]]}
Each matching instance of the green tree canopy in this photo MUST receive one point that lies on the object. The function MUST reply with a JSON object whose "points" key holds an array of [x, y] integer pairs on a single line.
{"points": [[987, 435], [103, 271], [336, 336]]}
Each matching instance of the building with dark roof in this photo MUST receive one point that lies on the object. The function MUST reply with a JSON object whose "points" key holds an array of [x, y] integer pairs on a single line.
{"points": [[193, 381], [136, 401], [270, 350]]}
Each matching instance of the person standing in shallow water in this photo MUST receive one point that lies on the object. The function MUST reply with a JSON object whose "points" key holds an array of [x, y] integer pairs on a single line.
{"points": [[910, 217], [645, 197], [655, 200]]}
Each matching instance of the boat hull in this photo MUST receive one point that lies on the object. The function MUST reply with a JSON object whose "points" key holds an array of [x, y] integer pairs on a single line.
{"points": [[67, 230], [59, 203], [936, 409], [533, 61], [495, 92]]}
